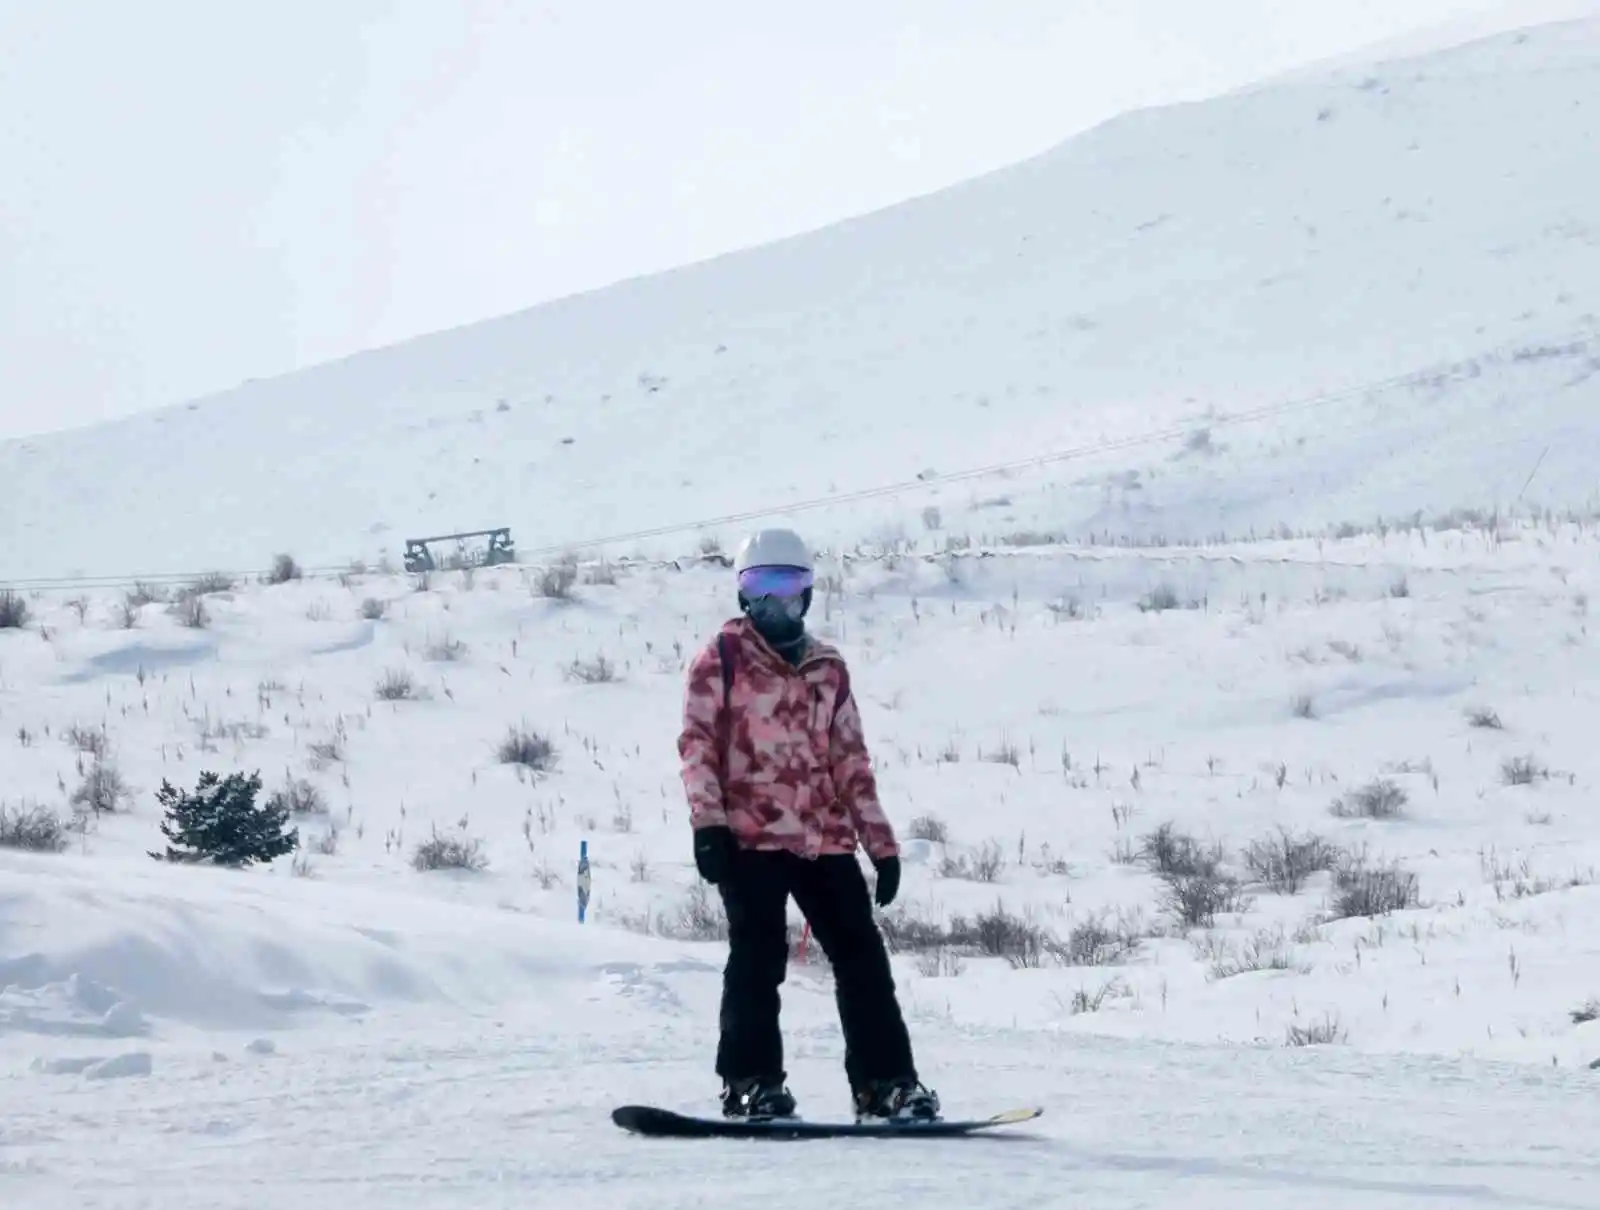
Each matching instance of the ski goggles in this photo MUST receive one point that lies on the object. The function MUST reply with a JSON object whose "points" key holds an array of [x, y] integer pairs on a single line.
{"points": [[758, 582]]}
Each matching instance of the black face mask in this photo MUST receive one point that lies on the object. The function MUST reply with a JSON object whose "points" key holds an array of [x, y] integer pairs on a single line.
{"points": [[779, 620]]}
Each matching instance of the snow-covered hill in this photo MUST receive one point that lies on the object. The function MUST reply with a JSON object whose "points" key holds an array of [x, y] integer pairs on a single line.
{"points": [[1334, 300], [1430, 219]]}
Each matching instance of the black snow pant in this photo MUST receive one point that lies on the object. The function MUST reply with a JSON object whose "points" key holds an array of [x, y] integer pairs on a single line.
{"points": [[832, 893]]}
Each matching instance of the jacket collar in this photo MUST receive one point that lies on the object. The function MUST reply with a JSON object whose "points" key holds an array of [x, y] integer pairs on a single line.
{"points": [[743, 631]]}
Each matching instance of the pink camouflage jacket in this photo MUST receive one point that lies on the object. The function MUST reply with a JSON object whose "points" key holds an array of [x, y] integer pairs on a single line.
{"points": [[799, 776]]}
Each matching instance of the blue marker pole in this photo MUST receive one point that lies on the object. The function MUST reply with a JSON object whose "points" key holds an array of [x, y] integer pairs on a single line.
{"points": [[583, 879]]}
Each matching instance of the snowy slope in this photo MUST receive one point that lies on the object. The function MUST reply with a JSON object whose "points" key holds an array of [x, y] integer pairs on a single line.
{"points": [[375, 1123], [342, 1026], [1120, 718], [1165, 273], [344, 1029]]}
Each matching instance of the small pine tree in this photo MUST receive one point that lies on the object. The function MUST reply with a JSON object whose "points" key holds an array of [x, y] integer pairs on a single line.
{"points": [[220, 822]]}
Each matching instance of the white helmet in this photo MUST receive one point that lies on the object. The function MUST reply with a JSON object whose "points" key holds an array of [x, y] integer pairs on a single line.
{"points": [[772, 548]]}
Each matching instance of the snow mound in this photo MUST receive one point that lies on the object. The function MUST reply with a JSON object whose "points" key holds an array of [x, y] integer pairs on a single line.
{"points": [[104, 948], [136, 1063], [74, 1006]]}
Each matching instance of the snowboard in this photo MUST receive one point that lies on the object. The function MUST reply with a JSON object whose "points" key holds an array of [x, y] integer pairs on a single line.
{"points": [[655, 1122]]}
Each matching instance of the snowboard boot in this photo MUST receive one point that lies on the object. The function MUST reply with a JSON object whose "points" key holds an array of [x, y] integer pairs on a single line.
{"points": [[757, 1098], [903, 1100]]}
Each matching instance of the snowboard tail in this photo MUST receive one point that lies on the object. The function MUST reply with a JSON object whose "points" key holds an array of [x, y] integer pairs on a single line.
{"points": [[656, 1122]]}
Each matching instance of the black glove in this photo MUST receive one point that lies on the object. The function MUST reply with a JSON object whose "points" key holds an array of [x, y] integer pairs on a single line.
{"points": [[714, 848], [888, 879]]}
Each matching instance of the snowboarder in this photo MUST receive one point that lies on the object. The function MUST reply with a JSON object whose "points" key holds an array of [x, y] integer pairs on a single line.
{"points": [[781, 794]]}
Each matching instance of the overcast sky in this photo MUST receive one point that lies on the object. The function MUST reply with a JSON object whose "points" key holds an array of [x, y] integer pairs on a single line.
{"points": [[194, 192]]}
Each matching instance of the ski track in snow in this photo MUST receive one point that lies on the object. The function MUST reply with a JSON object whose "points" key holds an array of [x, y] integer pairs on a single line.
{"points": [[519, 1112]]}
